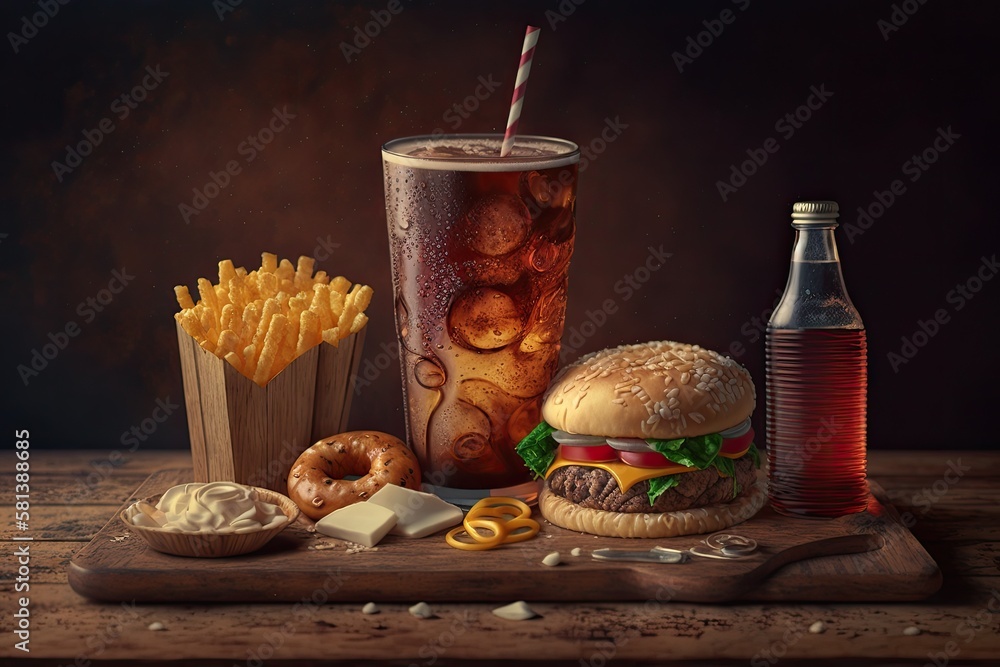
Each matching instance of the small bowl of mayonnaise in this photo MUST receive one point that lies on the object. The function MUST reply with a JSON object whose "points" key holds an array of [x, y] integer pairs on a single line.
{"points": [[210, 519]]}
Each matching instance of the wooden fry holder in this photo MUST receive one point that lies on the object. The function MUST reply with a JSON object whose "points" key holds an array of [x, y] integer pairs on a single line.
{"points": [[241, 432]]}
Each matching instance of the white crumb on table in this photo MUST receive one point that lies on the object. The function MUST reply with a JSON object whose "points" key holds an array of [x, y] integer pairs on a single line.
{"points": [[421, 610]]}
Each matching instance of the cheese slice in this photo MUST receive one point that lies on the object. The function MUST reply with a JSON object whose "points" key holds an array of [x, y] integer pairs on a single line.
{"points": [[626, 475]]}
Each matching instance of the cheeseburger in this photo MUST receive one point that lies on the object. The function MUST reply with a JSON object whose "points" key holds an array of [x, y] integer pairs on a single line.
{"points": [[647, 440]]}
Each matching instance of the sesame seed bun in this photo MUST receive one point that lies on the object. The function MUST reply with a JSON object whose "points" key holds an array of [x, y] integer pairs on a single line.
{"points": [[661, 389]]}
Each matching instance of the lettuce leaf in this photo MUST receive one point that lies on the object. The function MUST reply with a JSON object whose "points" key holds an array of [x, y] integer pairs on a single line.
{"points": [[728, 468], [658, 485], [694, 452], [754, 455], [538, 449]]}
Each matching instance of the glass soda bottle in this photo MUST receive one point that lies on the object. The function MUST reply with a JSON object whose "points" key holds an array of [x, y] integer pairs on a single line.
{"points": [[817, 379]]}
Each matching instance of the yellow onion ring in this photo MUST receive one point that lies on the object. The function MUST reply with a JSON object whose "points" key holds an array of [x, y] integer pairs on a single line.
{"points": [[480, 542], [501, 501]]}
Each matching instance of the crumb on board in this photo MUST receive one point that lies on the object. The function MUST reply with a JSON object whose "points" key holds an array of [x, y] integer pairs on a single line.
{"points": [[421, 610]]}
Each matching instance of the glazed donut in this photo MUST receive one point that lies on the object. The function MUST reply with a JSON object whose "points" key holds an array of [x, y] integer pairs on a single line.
{"points": [[316, 481]]}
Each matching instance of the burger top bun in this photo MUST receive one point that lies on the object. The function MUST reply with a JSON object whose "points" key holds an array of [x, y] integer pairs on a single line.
{"points": [[661, 389]]}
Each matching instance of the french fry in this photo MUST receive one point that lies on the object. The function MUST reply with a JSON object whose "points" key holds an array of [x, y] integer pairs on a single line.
{"points": [[226, 271], [228, 342], [221, 298], [231, 318], [268, 262], [208, 324], [321, 306], [207, 292], [249, 360], [183, 297], [348, 314], [237, 292], [336, 304], [321, 277], [285, 270], [360, 320], [332, 336], [309, 332], [304, 272], [235, 361], [271, 308], [362, 296], [340, 284], [268, 285], [251, 318], [272, 343]]}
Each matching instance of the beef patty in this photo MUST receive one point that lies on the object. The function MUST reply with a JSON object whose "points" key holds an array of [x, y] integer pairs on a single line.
{"points": [[597, 489]]}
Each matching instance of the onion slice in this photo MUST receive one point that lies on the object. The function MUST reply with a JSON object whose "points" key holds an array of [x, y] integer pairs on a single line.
{"points": [[630, 445], [737, 430], [577, 440]]}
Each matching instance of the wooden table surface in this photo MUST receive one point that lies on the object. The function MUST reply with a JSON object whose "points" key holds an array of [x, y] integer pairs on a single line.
{"points": [[951, 498]]}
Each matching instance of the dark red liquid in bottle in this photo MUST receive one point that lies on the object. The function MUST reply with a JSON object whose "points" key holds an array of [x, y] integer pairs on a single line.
{"points": [[817, 379], [817, 420]]}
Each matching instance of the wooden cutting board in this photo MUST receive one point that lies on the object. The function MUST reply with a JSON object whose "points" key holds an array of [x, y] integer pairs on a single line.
{"points": [[288, 570]]}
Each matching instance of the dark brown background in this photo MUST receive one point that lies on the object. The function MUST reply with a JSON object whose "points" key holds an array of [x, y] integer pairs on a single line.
{"points": [[654, 185]]}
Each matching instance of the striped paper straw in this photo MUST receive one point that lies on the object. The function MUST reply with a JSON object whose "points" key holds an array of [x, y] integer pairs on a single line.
{"points": [[527, 52]]}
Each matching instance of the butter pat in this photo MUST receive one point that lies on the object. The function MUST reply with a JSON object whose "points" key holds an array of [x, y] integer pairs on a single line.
{"points": [[363, 523], [418, 514]]}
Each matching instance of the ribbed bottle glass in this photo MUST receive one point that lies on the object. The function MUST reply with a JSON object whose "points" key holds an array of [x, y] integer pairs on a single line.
{"points": [[817, 379]]}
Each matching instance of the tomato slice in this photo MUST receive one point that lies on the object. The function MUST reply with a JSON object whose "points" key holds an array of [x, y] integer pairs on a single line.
{"points": [[588, 453], [738, 444], [645, 459]]}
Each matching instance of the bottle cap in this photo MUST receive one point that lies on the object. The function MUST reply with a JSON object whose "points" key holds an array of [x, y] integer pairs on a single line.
{"points": [[815, 211]]}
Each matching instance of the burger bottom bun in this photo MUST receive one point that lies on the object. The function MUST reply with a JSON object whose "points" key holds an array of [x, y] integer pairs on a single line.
{"points": [[566, 514]]}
